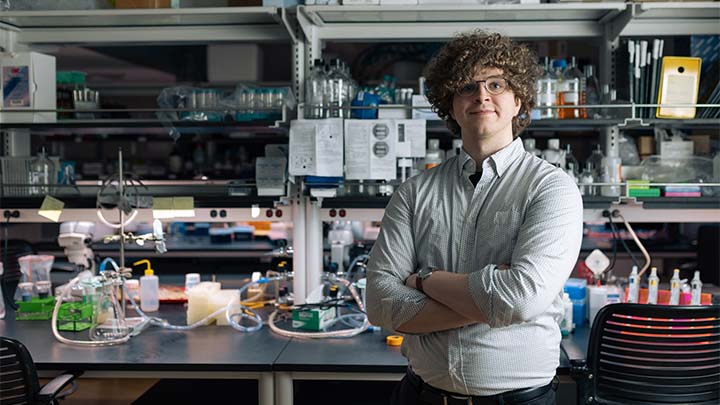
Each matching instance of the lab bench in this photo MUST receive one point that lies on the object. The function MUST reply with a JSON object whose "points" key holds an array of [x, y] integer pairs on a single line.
{"points": [[276, 362]]}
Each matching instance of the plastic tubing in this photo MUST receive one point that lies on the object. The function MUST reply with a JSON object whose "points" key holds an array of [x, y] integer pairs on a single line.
{"points": [[86, 343], [105, 261], [639, 244], [345, 333]]}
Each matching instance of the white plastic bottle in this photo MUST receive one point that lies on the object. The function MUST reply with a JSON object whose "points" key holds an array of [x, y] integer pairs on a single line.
{"points": [[553, 154], [433, 155], [529, 144], [634, 286], [653, 282], [675, 288], [566, 326], [149, 291], [696, 291]]}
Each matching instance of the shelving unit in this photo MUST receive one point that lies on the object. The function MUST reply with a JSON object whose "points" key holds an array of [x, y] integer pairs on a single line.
{"points": [[134, 26]]}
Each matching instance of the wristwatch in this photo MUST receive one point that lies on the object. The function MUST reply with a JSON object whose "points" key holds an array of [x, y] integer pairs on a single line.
{"points": [[422, 275]]}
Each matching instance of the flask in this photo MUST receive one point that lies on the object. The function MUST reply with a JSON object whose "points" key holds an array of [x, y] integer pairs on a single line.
{"points": [[653, 282], [695, 284], [149, 288], [634, 286], [42, 173], [433, 155], [675, 288]]}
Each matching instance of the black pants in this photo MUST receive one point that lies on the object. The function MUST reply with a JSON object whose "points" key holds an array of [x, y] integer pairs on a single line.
{"points": [[407, 392]]}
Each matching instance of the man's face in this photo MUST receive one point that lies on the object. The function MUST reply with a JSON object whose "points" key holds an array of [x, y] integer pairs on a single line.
{"points": [[489, 110]]}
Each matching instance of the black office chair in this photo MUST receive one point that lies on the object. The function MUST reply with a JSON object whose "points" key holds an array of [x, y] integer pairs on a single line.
{"points": [[651, 354], [19, 380]]}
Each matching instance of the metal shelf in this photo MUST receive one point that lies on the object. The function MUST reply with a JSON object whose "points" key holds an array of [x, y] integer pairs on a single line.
{"points": [[182, 25], [652, 210], [146, 126], [431, 22], [598, 124], [207, 193], [674, 18]]}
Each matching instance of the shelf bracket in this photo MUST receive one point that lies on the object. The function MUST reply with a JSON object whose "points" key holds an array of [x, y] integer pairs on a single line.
{"points": [[289, 26], [8, 38], [616, 24]]}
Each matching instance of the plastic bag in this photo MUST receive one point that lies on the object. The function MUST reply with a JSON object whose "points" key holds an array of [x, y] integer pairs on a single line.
{"points": [[628, 151], [693, 169]]}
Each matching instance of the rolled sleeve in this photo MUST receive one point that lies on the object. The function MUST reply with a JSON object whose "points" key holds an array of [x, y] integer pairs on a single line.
{"points": [[543, 257], [389, 302]]}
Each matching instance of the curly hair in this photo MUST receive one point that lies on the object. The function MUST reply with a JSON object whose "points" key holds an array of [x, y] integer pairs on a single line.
{"points": [[458, 61]]}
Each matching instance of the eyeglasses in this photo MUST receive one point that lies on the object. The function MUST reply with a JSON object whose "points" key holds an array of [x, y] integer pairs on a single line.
{"points": [[493, 85]]}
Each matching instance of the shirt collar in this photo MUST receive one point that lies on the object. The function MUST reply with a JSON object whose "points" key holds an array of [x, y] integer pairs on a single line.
{"points": [[499, 160]]}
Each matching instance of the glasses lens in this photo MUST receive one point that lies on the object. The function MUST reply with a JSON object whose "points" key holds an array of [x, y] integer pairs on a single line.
{"points": [[495, 85], [468, 89]]}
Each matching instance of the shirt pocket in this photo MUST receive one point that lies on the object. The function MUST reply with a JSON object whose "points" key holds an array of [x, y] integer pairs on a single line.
{"points": [[501, 233]]}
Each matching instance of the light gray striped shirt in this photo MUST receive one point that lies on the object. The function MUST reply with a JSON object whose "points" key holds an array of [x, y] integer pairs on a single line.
{"points": [[523, 212]]}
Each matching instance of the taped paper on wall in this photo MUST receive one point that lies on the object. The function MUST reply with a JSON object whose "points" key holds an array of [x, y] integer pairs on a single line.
{"points": [[316, 147], [370, 149]]}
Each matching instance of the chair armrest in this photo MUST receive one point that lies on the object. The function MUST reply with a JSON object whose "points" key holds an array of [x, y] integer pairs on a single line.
{"points": [[51, 390]]}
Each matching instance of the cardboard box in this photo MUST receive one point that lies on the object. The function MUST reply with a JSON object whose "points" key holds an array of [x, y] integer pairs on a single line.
{"points": [[701, 144]]}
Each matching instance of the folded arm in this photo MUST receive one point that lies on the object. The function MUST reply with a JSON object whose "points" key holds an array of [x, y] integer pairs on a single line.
{"points": [[547, 248], [390, 303]]}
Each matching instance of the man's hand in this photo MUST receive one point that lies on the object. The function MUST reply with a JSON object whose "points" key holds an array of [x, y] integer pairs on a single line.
{"points": [[411, 281]]}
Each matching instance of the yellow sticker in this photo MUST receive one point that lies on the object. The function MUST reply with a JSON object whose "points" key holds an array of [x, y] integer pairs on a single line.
{"points": [[173, 207], [51, 208]]}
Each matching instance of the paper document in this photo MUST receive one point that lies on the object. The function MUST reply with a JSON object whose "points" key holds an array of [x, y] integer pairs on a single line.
{"points": [[370, 149], [270, 175], [679, 81], [316, 147], [411, 137]]}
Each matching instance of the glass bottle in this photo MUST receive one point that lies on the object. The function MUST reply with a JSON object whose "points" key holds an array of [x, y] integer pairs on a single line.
{"points": [[569, 92], [547, 93], [586, 180], [315, 91], [42, 173], [572, 167], [595, 161], [592, 92]]}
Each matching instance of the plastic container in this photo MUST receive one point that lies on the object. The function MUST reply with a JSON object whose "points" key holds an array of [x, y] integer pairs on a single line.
{"points": [[653, 282], [597, 297], [198, 300], [149, 289], [43, 288], [529, 144], [133, 287], [433, 155], [191, 280], [566, 326], [36, 268], [634, 286], [577, 290], [25, 291]]}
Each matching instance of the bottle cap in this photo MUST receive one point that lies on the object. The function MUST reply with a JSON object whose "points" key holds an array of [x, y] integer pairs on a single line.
{"points": [[433, 144], [394, 340]]}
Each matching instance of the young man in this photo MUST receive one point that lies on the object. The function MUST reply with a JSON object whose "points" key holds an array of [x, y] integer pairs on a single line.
{"points": [[473, 254]]}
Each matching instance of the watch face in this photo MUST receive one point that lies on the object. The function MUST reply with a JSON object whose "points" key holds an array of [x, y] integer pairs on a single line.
{"points": [[425, 273]]}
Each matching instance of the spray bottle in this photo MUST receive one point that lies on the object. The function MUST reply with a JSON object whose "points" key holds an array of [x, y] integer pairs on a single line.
{"points": [[653, 282], [696, 286], [149, 288], [633, 288], [675, 287]]}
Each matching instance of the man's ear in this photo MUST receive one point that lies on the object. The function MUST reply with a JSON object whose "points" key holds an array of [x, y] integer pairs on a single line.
{"points": [[518, 104]]}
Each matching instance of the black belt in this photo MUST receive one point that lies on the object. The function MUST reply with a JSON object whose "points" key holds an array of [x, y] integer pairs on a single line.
{"points": [[433, 395]]}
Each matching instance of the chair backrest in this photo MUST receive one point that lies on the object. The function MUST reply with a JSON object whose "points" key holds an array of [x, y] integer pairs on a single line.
{"points": [[655, 354], [18, 377]]}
